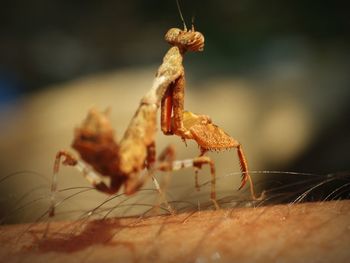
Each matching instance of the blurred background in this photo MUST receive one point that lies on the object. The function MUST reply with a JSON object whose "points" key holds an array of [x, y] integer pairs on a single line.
{"points": [[274, 75]]}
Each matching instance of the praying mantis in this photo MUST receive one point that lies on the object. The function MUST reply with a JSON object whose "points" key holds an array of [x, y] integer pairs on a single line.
{"points": [[132, 160]]}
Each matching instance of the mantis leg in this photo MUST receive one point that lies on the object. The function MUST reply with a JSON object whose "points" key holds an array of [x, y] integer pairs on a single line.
{"points": [[196, 162], [94, 179], [172, 108], [166, 111], [166, 156], [245, 174], [178, 106], [211, 137], [150, 162]]}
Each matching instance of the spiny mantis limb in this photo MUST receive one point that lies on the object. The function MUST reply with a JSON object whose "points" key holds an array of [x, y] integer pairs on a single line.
{"points": [[246, 176], [172, 108], [201, 129], [211, 137]]}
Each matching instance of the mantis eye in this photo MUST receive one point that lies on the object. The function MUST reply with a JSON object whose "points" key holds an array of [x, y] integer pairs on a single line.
{"points": [[172, 35]]}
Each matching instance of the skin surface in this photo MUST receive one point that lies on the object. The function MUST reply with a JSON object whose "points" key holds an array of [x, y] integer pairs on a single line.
{"points": [[309, 232]]}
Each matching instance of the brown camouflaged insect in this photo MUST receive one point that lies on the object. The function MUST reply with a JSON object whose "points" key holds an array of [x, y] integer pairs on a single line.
{"points": [[132, 160]]}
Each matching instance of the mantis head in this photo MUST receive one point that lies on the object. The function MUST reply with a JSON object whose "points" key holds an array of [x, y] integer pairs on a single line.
{"points": [[185, 39]]}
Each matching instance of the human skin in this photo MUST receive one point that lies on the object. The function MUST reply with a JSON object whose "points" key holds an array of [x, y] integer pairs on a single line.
{"points": [[309, 232]]}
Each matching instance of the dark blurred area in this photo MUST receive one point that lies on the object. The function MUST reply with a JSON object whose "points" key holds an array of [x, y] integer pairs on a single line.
{"points": [[282, 66], [44, 42]]}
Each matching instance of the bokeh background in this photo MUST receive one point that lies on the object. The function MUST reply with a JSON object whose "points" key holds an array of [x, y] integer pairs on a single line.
{"points": [[274, 74]]}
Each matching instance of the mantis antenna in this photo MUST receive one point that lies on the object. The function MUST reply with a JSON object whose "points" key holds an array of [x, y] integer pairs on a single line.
{"points": [[182, 18], [192, 21]]}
